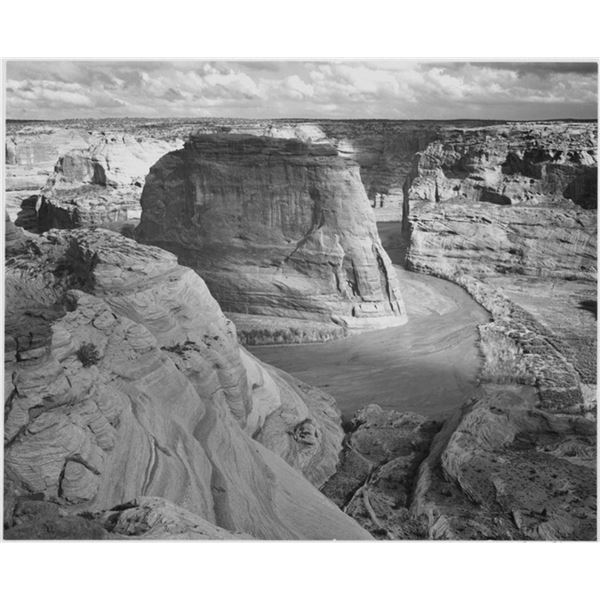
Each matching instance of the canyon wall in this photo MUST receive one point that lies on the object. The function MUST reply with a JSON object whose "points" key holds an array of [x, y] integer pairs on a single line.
{"points": [[100, 184], [509, 212], [72, 177], [280, 229], [124, 380], [384, 150]]}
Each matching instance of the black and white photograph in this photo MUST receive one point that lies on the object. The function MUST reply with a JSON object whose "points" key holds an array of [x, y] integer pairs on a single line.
{"points": [[348, 300], [258, 327]]}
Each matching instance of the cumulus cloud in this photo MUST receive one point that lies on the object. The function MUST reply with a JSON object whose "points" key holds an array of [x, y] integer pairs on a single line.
{"points": [[352, 89]]}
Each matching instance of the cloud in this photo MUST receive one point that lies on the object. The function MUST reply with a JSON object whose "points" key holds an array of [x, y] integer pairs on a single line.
{"points": [[543, 68], [310, 89]]}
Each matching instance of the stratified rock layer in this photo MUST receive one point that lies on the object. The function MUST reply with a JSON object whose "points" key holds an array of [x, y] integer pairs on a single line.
{"points": [[100, 185], [124, 379], [514, 163], [384, 150], [280, 229], [509, 213], [74, 177]]}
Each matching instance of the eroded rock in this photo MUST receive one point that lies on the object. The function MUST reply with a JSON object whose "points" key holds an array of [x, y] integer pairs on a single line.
{"points": [[503, 469], [167, 407], [280, 229]]}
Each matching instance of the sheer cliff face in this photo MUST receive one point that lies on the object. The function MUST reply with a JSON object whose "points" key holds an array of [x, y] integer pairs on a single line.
{"points": [[99, 185], [510, 199], [518, 163], [124, 379], [71, 177], [384, 150], [281, 230]]}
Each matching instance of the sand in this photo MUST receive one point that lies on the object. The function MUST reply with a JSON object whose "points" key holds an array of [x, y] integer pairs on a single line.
{"points": [[428, 366]]}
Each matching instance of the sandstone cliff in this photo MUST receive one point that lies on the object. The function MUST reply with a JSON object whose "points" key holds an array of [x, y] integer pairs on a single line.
{"points": [[384, 150], [513, 163], [280, 229], [509, 214], [69, 175], [124, 379], [99, 185]]}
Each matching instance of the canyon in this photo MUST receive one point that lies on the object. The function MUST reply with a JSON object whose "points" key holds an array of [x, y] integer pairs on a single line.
{"points": [[468, 412]]}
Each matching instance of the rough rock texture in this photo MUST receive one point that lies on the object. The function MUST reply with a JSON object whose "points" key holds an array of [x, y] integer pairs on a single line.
{"points": [[124, 379], [31, 155], [280, 229], [378, 467], [143, 518], [72, 174], [509, 214], [100, 184], [503, 469], [504, 211], [485, 240], [384, 150], [508, 199], [156, 518], [509, 164]]}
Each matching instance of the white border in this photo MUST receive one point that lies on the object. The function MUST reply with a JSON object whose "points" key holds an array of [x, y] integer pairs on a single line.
{"points": [[309, 29]]}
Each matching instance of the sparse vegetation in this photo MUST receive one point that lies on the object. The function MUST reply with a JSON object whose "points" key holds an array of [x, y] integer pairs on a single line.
{"points": [[180, 349], [88, 354]]}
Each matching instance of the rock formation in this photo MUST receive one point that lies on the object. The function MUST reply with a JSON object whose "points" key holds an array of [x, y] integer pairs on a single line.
{"points": [[505, 466], [384, 150], [31, 155], [508, 164], [99, 185], [506, 211], [143, 518], [514, 196], [124, 379], [280, 229], [69, 174], [378, 468]]}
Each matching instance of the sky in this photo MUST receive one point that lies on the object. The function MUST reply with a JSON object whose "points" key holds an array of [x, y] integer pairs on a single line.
{"points": [[387, 89]]}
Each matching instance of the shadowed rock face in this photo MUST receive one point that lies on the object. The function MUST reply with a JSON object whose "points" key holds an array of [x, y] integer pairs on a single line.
{"points": [[124, 379], [280, 229], [509, 199], [147, 518], [99, 185], [514, 163], [74, 177], [384, 150], [502, 467]]}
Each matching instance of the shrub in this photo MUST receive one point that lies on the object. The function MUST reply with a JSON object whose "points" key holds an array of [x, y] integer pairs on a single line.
{"points": [[88, 355]]}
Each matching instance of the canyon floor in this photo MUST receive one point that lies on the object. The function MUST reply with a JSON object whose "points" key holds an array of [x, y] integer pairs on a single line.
{"points": [[428, 366]]}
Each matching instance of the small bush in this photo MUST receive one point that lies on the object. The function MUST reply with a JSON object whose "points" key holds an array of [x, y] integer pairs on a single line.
{"points": [[88, 355]]}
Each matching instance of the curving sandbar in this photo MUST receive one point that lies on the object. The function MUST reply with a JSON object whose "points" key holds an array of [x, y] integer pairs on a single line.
{"points": [[428, 366]]}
